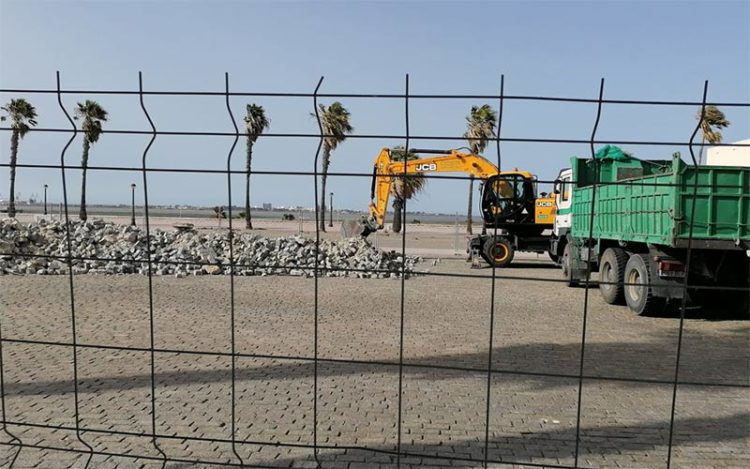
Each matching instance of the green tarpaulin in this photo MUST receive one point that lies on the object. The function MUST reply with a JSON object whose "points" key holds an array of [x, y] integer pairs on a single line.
{"points": [[611, 152]]}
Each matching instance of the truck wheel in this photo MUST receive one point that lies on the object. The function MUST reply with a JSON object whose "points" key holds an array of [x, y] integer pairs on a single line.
{"points": [[638, 293], [611, 275], [498, 251], [567, 272]]}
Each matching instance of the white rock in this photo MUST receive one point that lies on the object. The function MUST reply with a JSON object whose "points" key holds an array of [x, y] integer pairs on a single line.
{"points": [[252, 254]]}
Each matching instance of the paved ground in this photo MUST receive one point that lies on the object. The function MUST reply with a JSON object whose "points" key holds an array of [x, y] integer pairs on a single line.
{"points": [[538, 327]]}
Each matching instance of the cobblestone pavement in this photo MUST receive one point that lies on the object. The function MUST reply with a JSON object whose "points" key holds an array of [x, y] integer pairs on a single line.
{"points": [[533, 400]]}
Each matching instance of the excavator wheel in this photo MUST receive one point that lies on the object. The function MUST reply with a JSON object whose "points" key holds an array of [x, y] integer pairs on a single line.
{"points": [[498, 251]]}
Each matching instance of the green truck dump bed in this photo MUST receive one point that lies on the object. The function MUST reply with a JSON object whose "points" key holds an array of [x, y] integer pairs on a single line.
{"points": [[652, 201]]}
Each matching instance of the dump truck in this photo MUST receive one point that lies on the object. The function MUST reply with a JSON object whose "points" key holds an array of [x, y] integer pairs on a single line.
{"points": [[647, 216]]}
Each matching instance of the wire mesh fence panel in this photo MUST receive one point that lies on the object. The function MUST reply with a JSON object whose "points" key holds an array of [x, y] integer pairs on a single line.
{"points": [[156, 338]]}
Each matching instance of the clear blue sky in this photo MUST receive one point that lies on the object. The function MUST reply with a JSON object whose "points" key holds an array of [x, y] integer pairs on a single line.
{"points": [[651, 50]]}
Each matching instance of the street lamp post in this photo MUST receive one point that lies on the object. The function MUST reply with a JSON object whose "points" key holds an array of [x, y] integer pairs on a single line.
{"points": [[330, 222], [45, 199], [132, 204]]}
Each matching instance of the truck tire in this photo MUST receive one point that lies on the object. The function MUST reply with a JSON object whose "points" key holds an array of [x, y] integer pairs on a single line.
{"points": [[498, 251], [611, 275], [567, 272], [638, 293]]}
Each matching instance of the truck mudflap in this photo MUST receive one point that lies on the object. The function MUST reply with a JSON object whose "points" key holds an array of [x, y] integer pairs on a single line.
{"points": [[708, 268], [667, 274], [578, 264], [666, 286], [557, 242]]}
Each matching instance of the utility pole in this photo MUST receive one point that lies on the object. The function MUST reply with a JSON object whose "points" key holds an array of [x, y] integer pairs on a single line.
{"points": [[45, 199], [132, 204]]}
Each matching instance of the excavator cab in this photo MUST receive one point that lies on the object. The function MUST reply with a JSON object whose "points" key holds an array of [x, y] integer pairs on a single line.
{"points": [[515, 218], [508, 198], [510, 202]]}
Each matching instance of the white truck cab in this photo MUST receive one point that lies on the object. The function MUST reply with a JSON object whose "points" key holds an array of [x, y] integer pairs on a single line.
{"points": [[563, 201]]}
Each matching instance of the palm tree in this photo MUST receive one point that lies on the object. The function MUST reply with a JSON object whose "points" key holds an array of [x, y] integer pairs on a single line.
{"points": [[404, 188], [255, 123], [480, 127], [334, 120], [93, 115], [22, 117], [713, 120]]}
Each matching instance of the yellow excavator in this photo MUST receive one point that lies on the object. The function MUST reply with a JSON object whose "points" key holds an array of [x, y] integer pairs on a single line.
{"points": [[514, 217]]}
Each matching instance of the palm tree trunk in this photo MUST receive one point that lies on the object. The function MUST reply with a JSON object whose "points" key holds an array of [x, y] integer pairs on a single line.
{"points": [[13, 158], [248, 218], [471, 204], [84, 164], [398, 207], [326, 163], [700, 155]]}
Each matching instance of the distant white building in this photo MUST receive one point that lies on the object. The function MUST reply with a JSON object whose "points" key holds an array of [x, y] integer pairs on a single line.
{"points": [[729, 156], [267, 206]]}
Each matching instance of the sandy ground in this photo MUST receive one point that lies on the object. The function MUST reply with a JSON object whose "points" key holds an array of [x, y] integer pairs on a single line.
{"points": [[628, 363]]}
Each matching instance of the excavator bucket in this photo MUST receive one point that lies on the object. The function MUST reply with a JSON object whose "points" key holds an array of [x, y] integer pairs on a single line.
{"points": [[354, 228], [366, 230], [351, 228]]}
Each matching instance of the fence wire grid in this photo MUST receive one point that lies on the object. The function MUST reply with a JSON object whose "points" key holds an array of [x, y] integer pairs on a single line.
{"points": [[397, 456]]}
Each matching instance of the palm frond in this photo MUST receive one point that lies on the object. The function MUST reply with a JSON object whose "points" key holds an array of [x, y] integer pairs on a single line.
{"points": [[22, 115], [92, 114], [480, 127], [712, 136], [713, 119], [256, 121], [334, 120]]}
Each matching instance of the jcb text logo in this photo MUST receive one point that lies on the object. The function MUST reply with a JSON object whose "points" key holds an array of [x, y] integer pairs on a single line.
{"points": [[427, 167]]}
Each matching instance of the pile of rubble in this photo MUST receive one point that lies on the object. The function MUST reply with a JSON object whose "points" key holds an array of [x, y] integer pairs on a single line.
{"points": [[106, 248]]}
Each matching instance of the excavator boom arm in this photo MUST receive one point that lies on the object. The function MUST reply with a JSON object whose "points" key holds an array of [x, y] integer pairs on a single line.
{"points": [[386, 171]]}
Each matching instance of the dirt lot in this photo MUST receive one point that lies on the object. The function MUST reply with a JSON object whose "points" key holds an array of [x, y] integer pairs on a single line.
{"points": [[536, 356]]}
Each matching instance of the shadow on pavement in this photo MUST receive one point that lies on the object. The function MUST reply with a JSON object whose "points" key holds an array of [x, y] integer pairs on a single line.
{"points": [[557, 444], [654, 360]]}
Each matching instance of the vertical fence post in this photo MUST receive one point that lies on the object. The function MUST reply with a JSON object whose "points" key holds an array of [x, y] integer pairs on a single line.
{"points": [[233, 426], [315, 274], [149, 271], [683, 303], [13, 438], [69, 260], [588, 271], [403, 282], [491, 344]]}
